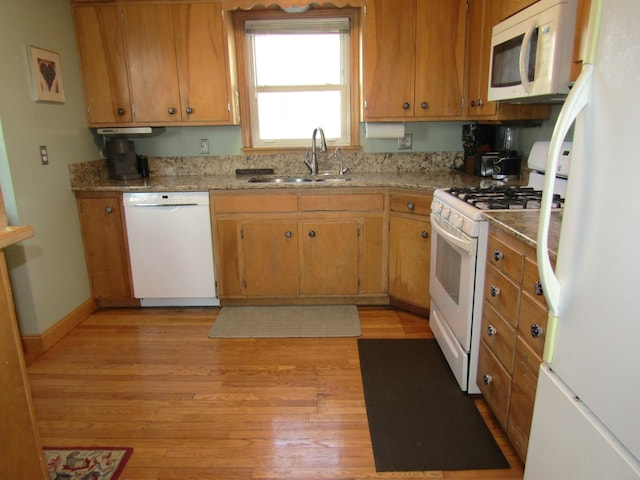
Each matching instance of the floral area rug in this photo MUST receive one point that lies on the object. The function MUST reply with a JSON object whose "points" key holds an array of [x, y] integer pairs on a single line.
{"points": [[86, 463]]}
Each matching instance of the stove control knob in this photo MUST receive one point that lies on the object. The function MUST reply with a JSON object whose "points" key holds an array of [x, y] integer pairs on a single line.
{"points": [[456, 220], [446, 212], [436, 207]]}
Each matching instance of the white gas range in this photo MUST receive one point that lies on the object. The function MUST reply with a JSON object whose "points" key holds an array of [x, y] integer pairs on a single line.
{"points": [[458, 256]]}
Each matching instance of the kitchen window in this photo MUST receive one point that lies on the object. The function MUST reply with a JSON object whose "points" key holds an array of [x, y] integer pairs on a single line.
{"points": [[298, 72]]}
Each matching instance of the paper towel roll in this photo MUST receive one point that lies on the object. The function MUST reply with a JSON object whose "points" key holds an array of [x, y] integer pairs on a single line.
{"points": [[384, 130]]}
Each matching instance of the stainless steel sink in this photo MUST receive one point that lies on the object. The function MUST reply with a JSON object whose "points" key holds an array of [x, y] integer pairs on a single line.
{"points": [[299, 179]]}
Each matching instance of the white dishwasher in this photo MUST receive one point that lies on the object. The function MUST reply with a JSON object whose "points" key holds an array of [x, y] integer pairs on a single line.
{"points": [[171, 248]]}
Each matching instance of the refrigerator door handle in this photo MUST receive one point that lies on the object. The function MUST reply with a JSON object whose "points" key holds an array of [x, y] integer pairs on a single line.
{"points": [[573, 106]]}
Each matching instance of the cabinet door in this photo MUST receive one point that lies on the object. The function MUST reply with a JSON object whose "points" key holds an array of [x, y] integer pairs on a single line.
{"points": [[440, 47], [104, 66], [329, 257], [480, 21], [389, 59], [202, 62], [152, 63], [409, 251], [270, 257], [105, 245]]}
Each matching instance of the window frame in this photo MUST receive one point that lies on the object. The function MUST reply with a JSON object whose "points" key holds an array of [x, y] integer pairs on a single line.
{"points": [[240, 17]]}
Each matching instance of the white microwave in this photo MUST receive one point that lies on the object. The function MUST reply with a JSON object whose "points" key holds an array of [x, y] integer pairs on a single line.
{"points": [[531, 53]]}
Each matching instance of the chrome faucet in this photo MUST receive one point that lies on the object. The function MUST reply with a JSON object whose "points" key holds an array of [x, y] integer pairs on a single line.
{"points": [[341, 168], [312, 162]]}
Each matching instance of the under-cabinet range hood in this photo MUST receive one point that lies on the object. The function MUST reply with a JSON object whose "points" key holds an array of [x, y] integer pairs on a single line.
{"points": [[130, 131]]}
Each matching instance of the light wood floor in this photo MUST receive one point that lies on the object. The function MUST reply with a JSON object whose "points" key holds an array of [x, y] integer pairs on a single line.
{"points": [[197, 408]]}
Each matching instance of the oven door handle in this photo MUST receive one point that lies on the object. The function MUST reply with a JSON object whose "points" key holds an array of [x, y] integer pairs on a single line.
{"points": [[463, 242]]}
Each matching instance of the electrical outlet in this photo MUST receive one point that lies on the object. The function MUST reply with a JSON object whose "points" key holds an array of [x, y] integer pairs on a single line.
{"points": [[204, 145], [406, 143], [44, 156]]}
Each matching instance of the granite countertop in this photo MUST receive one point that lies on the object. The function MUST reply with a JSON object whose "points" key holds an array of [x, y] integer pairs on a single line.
{"points": [[523, 225], [423, 181]]}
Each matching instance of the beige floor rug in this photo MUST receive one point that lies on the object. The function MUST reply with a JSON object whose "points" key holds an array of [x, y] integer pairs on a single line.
{"points": [[287, 322]]}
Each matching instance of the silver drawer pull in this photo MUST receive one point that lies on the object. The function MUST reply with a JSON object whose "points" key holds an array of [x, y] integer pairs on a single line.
{"points": [[498, 255], [536, 330], [537, 288], [411, 205], [491, 330], [487, 379], [495, 291]]}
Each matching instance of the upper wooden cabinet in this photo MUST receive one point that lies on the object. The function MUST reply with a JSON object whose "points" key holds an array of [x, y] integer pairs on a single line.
{"points": [[170, 64], [511, 7], [104, 64], [582, 22], [413, 61]]}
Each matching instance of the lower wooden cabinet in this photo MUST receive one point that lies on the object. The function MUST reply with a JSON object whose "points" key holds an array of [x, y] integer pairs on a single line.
{"points": [[295, 247], [409, 249], [106, 248], [513, 333]]}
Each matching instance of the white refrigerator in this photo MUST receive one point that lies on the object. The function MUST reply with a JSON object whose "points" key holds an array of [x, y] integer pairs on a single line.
{"points": [[586, 420]]}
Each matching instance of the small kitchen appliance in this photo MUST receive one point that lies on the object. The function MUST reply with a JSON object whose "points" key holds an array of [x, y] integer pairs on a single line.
{"points": [[122, 161], [478, 144]]}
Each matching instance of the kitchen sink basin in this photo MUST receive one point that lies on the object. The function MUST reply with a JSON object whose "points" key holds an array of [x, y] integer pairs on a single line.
{"points": [[299, 179]]}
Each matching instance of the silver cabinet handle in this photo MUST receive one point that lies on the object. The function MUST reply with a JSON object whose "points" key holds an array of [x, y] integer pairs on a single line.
{"points": [[498, 255], [312, 233], [406, 105], [487, 379], [288, 234], [537, 288], [121, 112], [411, 205], [495, 291], [536, 330], [108, 210], [189, 110], [491, 330], [171, 111], [424, 234], [424, 105]]}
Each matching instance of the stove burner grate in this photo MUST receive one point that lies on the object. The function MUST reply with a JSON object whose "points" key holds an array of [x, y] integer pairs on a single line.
{"points": [[498, 197]]}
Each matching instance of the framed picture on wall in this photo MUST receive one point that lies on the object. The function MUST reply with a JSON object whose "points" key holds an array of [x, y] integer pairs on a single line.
{"points": [[46, 75]]}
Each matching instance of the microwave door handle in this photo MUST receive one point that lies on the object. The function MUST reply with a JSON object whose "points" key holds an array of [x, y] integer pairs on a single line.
{"points": [[524, 58]]}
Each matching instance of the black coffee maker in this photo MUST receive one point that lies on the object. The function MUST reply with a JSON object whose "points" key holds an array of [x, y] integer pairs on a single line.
{"points": [[122, 161], [477, 141]]}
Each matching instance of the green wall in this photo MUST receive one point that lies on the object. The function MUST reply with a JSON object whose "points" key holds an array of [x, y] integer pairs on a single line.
{"points": [[48, 272]]}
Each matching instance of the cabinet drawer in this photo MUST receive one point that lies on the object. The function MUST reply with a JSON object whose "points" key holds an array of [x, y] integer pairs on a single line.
{"points": [[499, 336], [410, 203], [532, 325], [502, 294], [531, 282], [247, 203], [495, 384], [342, 202], [505, 258], [523, 393]]}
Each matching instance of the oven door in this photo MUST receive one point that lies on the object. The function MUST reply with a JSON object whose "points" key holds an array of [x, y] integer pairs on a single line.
{"points": [[452, 278]]}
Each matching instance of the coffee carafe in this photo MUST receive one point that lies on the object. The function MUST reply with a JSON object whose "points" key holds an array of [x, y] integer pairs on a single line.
{"points": [[478, 142], [122, 162]]}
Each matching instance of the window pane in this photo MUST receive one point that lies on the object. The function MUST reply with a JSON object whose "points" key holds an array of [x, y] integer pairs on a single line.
{"points": [[294, 115], [297, 59]]}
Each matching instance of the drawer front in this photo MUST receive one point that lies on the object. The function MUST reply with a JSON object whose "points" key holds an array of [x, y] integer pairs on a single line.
{"points": [[532, 325], [342, 202], [502, 294], [505, 258], [531, 282], [499, 336], [494, 383], [410, 203], [254, 203], [523, 393]]}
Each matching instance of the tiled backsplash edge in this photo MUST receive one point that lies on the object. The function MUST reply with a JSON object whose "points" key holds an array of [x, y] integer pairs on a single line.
{"points": [[419, 162]]}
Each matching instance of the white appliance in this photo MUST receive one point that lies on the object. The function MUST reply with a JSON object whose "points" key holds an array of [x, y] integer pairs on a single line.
{"points": [[531, 53], [171, 248], [586, 420], [459, 236]]}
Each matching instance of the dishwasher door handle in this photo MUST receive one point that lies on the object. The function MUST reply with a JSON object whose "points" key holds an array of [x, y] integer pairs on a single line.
{"points": [[164, 205]]}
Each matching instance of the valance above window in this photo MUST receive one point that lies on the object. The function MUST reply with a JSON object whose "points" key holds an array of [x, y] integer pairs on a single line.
{"points": [[289, 4]]}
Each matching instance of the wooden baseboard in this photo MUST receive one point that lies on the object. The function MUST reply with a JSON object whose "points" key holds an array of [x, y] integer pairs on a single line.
{"points": [[43, 342]]}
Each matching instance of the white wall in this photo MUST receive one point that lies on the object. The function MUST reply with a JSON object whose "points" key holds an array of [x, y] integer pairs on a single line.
{"points": [[48, 272]]}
